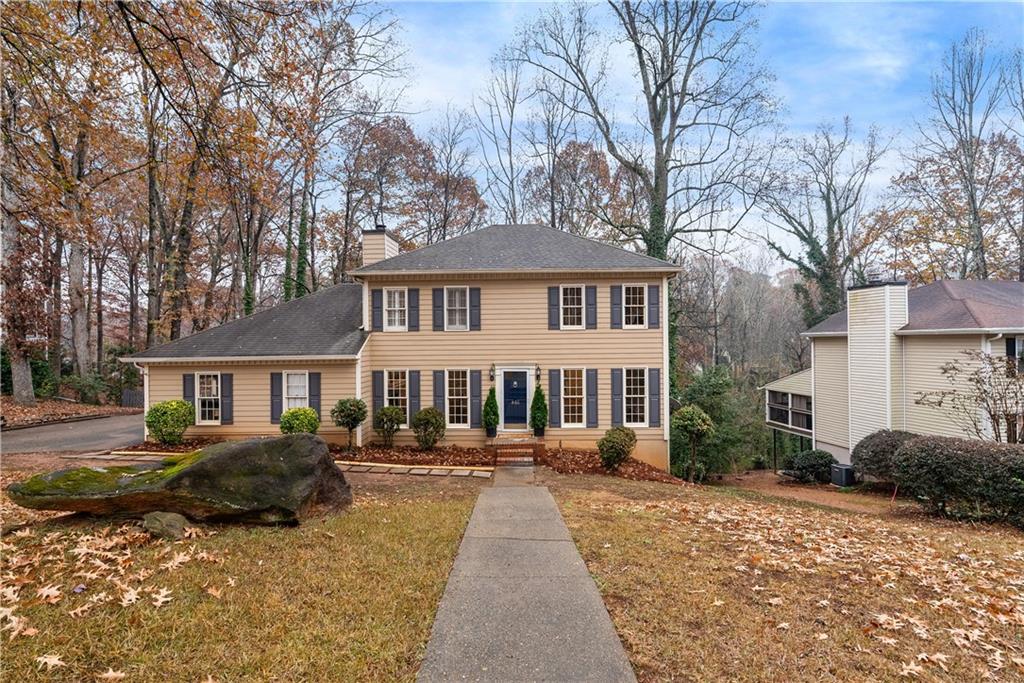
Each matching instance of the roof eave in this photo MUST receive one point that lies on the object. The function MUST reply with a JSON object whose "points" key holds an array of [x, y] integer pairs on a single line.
{"points": [[509, 271], [961, 330], [236, 359], [823, 334]]}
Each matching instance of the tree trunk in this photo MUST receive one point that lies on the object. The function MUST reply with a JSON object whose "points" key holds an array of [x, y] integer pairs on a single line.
{"points": [[55, 332], [77, 309], [100, 268], [302, 244]]}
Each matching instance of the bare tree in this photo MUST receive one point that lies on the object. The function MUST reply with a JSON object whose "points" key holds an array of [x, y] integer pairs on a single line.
{"points": [[550, 128], [498, 111], [1013, 82]]}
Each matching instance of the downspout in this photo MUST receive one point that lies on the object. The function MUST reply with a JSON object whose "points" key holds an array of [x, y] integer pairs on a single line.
{"points": [[144, 371]]}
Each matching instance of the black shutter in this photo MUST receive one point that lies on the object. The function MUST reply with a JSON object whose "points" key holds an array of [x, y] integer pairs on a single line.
{"points": [[591, 299], [414, 309], [616, 397], [474, 308], [591, 397], [377, 394], [188, 388], [616, 296], [314, 392], [474, 398], [654, 397], [554, 398], [653, 306], [439, 390], [377, 309], [553, 308], [227, 398], [275, 398], [414, 393], [438, 306]]}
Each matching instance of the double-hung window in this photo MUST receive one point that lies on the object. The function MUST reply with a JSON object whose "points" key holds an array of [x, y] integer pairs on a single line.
{"points": [[635, 396], [572, 398], [296, 390], [457, 397], [395, 309], [396, 391], [571, 314], [456, 308], [207, 398], [634, 306]]}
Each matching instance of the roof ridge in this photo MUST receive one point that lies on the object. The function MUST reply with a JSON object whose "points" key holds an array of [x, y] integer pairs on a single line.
{"points": [[589, 239]]}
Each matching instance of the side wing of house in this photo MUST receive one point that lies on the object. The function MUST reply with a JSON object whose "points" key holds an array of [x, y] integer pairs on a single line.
{"points": [[923, 358], [831, 396]]}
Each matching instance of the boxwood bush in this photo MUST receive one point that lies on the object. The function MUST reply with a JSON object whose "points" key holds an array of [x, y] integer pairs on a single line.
{"points": [[873, 455], [813, 465], [168, 420], [428, 425], [962, 478], [299, 420], [615, 446], [387, 422]]}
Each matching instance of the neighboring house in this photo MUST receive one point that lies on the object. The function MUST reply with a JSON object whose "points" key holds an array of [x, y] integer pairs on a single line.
{"points": [[507, 306], [872, 362]]}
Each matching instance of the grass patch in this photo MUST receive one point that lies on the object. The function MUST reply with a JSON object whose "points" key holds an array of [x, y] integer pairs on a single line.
{"points": [[350, 597]]}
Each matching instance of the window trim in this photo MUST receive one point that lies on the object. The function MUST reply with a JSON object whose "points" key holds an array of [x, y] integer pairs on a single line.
{"points": [[386, 396], [405, 297], [561, 307], [643, 308], [284, 387], [447, 413], [448, 288], [220, 399], [626, 395], [583, 397]]}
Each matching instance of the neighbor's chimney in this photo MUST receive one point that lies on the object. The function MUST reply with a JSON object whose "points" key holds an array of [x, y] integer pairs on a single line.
{"points": [[378, 245]]}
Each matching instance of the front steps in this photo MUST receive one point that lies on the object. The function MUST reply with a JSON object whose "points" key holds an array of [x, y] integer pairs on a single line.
{"points": [[508, 450]]}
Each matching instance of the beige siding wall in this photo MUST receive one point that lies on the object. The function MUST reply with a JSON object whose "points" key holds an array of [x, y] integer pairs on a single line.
{"points": [[797, 383], [898, 311], [924, 356], [831, 392], [378, 246], [873, 314], [252, 394], [514, 332]]}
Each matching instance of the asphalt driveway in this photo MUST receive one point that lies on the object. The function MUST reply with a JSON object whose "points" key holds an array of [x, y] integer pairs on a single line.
{"points": [[86, 435]]}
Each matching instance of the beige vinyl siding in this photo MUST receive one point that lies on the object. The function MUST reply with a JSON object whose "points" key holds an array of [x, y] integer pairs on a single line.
{"points": [[924, 356], [514, 332], [377, 246], [872, 316], [898, 311], [831, 391], [796, 383], [251, 394]]}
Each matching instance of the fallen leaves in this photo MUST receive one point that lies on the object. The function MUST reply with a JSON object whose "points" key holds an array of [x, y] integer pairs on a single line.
{"points": [[50, 662], [111, 675]]}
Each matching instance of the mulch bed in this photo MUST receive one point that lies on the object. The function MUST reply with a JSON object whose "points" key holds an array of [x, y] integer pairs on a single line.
{"points": [[570, 461], [47, 411], [409, 455], [186, 446]]}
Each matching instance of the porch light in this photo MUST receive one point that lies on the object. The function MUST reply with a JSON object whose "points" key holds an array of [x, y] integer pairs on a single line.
{"points": [[491, 373], [537, 373]]}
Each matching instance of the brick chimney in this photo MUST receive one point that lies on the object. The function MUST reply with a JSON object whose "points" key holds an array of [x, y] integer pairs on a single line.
{"points": [[378, 245]]}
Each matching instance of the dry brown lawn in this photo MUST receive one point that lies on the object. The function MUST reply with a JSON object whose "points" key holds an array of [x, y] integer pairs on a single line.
{"points": [[721, 585]]}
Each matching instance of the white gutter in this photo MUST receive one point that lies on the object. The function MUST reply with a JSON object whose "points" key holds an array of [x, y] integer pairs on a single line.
{"points": [[508, 271], [963, 330], [234, 359]]}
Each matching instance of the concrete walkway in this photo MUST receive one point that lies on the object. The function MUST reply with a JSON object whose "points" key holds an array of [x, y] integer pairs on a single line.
{"points": [[520, 604]]}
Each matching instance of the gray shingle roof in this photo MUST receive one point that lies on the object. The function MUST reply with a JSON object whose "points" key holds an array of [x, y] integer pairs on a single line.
{"points": [[325, 323], [953, 305], [517, 247]]}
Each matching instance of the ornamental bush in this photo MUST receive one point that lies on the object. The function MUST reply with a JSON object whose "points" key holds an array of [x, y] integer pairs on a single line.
{"points": [[387, 422], [491, 414], [428, 425], [349, 413], [299, 420], [813, 465], [538, 409], [168, 420], [873, 455], [962, 478], [615, 446]]}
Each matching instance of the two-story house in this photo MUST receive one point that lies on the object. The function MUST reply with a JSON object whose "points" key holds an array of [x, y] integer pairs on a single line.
{"points": [[507, 306]]}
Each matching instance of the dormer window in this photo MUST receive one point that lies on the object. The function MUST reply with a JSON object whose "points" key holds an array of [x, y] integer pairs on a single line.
{"points": [[395, 309]]}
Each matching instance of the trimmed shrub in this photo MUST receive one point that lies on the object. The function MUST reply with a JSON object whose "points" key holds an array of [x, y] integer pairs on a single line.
{"points": [[813, 465], [349, 413], [538, 409], [615, 446], [873, 455], [168, 420], [387, 422], [428, 425], [299, 420], [962, 478], [491, 415]]}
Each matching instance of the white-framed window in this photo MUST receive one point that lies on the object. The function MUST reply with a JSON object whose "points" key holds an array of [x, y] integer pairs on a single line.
{"points": [[396, 390], [457, 397], [573, 399], [634, 306], [571, 304], [396, 313], [207, 398], [634, 396], [456, 308], [296, 390]]}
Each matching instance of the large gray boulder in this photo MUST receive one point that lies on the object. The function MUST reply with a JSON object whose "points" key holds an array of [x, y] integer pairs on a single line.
{"points": [[266, 481]]}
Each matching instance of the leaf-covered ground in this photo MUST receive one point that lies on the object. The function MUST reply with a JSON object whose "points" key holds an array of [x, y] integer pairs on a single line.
{"points": [[47, 410], [710, 584], [350, 597]]}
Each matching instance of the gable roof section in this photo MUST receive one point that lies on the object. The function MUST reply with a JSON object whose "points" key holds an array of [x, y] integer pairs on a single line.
{"points": [[951, 306], [499, 248], [324, 323]]}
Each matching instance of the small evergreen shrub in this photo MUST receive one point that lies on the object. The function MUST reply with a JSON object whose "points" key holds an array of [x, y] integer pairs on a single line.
{"points": [[615, 446], [694, 425], [428, 425], [168, 420], [491, 415], [873, 455], [387, 422], [299, 420], [538, 409], [962, 478], [349, 413], [87, 388], [813, 465]]}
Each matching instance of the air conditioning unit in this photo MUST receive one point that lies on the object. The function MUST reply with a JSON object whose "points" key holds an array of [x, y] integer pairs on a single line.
{"points": [[843, 475]]}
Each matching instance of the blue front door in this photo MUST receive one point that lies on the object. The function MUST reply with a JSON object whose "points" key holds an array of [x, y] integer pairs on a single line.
{"points": [[515, 399]]}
